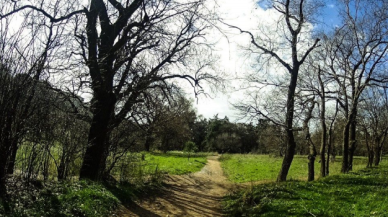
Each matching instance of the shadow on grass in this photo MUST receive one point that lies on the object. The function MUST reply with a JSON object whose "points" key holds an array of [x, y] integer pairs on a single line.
{"points": [[129, 193]]}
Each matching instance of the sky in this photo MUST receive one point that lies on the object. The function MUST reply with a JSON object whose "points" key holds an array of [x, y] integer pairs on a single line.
{"points": [[248, 15]]}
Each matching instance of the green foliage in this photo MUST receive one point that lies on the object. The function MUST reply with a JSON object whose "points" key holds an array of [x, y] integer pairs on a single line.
{"points": [[245, 168], [190, 147], [361, 193], [61, 199], [87, 199]]}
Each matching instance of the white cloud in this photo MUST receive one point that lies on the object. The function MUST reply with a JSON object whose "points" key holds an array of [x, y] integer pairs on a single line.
{"points": [[247, 15]]}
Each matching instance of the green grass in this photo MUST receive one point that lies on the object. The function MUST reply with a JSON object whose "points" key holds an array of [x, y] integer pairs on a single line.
{"points": [[241, 168], [362, 193], [175, 163]]}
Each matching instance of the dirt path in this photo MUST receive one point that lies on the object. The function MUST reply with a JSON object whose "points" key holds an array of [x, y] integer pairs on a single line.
{"points": [[197, 194]]}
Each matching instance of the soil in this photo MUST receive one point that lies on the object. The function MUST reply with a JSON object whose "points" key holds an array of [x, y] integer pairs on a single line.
{"points": [[196, 194]]}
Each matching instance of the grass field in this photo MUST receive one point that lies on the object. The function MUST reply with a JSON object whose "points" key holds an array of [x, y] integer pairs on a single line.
{"points": [[241, 168], [175, 163], [361, 193]]}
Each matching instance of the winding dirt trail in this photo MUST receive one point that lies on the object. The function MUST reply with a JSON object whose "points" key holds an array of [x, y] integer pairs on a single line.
{"points": [[196, 194]]}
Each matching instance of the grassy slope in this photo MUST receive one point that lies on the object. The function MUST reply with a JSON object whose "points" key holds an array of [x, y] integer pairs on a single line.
{"points": [[245, 168], [361, 193]]}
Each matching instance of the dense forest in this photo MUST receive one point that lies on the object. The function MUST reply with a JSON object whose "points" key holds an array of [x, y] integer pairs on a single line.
{"points": [[84, 85]]}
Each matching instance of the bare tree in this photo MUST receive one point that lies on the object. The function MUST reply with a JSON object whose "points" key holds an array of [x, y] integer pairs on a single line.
{"points": [[355, 60], [374, 117], [295, 17], [126, 48], [23, 65]]}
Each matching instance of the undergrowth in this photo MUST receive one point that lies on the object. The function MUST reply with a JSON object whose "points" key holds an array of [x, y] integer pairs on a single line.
{"points": [[38, 198]]}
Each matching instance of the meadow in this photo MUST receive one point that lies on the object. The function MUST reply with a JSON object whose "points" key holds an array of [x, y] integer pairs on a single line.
{"points": [[240, 168], [359, 193], [174, 163]]}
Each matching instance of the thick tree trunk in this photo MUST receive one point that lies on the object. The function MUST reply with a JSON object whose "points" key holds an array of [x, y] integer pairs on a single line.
{"points": [[311, 171], [352, 143], [345, 148], [291, 145], [370, 158], [96, 153], [377, 154]]}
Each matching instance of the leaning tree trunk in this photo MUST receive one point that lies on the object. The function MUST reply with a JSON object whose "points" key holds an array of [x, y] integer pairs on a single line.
{"points": [[291, 145]]}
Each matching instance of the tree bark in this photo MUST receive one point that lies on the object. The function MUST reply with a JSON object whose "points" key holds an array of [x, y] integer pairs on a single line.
{"points": [[96, 153], [345, 149], [311, 171], [291, 145], [323, 125], [352, 142], [377, 155]]}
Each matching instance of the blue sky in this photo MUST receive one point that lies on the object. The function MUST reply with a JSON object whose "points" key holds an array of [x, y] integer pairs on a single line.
{"points": [[327, 19]]}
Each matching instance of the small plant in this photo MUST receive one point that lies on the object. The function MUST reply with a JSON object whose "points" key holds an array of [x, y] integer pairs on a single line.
{"points": [[190, 147]]}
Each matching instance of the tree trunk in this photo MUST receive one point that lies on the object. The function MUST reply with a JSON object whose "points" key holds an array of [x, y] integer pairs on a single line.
{"points": [[329, 144], [96, 153], [311, 157], [3, 169], [323, 138], [61, 170], [291, 145], [370, 158], [148, 141], [12, 158], [345, 148], [311, 171], [352, 142], [377, 154]]}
